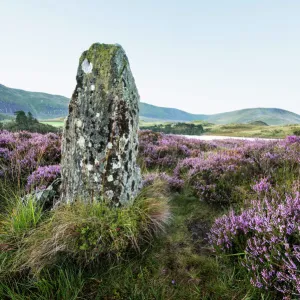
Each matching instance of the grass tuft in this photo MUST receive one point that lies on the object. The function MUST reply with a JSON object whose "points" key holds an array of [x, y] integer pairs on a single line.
{"points": [[21, 216], [86, 233]]}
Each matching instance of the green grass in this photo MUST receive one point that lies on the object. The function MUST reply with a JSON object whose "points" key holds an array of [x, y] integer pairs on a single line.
{"points": [[248, 130], [57, 124], [21, 216], [240, 130], [175, 265], [234, 130]]}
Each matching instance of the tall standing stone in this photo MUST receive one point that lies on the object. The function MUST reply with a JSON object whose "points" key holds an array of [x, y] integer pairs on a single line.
{"points": [[100, 138]]}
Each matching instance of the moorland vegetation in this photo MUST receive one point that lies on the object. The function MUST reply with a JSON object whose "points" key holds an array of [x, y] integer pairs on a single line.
{"points": [[257, 129], [214, 220]]}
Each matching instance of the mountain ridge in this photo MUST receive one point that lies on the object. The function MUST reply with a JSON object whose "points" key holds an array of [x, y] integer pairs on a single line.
{"points": [[271, 116], [42, 105], [47, 106]]}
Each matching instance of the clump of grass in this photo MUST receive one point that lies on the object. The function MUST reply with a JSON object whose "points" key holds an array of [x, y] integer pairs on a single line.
{"points": [[65, 283], [87, 233], [152, 205], [21, 216], [18, 219]]}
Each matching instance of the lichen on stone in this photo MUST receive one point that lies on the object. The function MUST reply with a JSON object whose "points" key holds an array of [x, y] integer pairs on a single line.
{"points": [[87, 67]]}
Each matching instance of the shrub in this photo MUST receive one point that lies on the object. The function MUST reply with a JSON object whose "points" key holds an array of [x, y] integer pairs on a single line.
{"points": [[213, 176], [267, 235], [161, 150], [21, 153], [262, 186], [296, 132], [43, 177], [293, 139]]}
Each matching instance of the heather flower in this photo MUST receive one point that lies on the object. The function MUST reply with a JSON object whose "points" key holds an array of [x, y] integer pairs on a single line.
{"points": [[268, 233], [293, 139], [164, 150], [43, 177], [23, 152], [262, 186]]}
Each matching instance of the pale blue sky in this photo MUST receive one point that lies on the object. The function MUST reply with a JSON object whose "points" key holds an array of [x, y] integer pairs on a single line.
{"points": [[200, 56]]}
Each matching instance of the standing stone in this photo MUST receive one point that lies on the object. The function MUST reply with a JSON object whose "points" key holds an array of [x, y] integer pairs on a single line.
{"points": [[100, 139]]}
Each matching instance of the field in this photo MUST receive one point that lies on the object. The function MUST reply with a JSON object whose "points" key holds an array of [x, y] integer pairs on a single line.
{"points": [[54, 123], [239, 130], [234, 130], [214, 220], [248, 130], [58, 122]]}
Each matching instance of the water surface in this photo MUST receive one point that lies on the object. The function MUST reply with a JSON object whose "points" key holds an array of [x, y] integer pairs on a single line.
{"points": [[214, 137]]}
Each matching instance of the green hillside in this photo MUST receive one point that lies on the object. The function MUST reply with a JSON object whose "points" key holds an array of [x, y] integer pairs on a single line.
{"points": [[167, 114], [41, 105], [4, 117], [47, 106], [270, 116]]}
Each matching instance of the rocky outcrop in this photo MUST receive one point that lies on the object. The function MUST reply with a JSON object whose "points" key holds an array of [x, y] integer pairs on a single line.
{"points": [[100, 141]]}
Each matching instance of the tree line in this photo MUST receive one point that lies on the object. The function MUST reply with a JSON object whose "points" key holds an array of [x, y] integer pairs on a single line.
{"points": [[26, 122], [177, 128]]}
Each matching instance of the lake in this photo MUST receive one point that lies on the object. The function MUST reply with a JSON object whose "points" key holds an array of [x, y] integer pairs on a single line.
{"points": [[212, 137]]}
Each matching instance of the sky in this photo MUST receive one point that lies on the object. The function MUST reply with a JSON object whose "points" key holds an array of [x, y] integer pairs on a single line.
{"points": [[201, 56]]}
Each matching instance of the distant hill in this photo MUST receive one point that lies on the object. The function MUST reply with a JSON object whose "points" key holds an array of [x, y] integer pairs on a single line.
{"points": [[42, 106], [153, 112], [4, 117], [270, 116], [266, 116], [258, 123], [47, 106]]}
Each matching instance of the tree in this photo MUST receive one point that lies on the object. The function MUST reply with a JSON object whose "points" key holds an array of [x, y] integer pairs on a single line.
{"points": [[21, 119], [30, 117]]}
